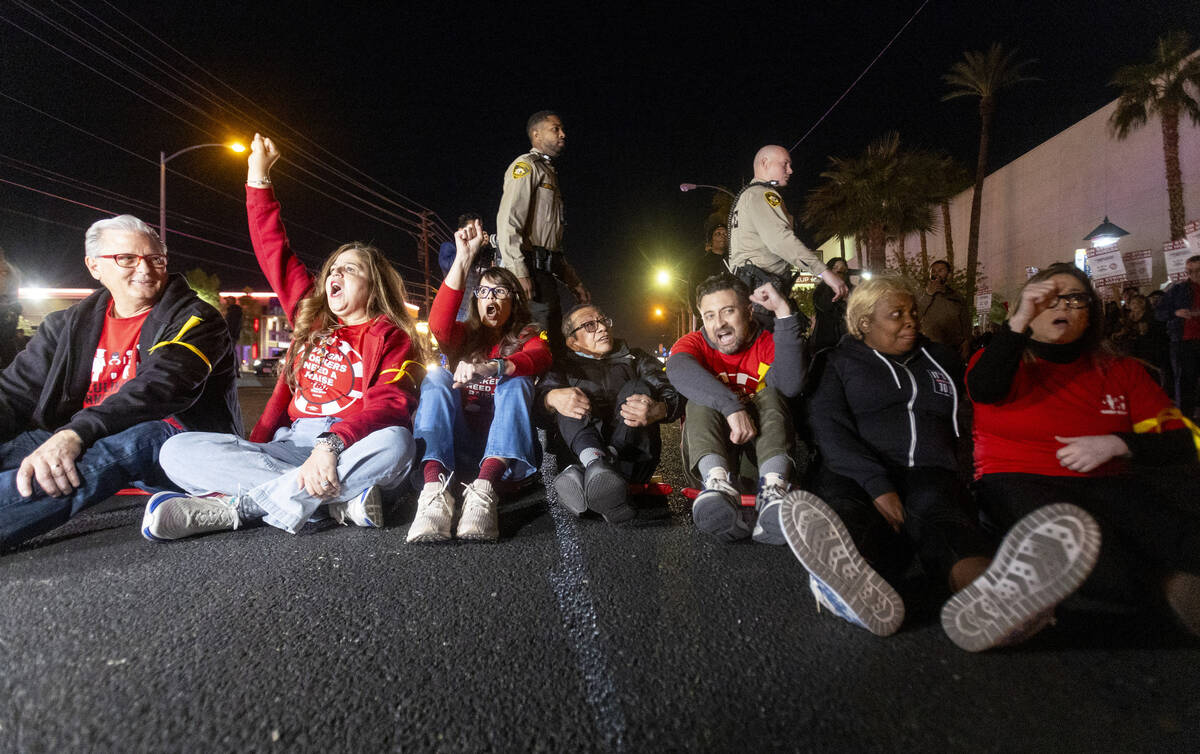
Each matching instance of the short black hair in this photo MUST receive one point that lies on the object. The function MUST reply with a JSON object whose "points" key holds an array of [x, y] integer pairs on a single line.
{"points": [[712, 228], [570, 313], [467, 217], [1193, 258], [536, 119], [936, 262], [723, 282]]}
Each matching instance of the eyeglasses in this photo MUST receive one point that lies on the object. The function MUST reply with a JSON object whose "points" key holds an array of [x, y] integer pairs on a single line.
{"points": [[1073, 300], [131, 260], [592, 325], [498, 292]]}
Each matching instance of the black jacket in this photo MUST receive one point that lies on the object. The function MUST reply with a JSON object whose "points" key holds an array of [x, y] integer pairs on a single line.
{"points": [[186, 370], [871, 412], [601, 379]]}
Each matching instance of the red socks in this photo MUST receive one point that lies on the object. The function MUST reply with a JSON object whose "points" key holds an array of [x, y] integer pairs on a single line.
{"points": [[491, 470], [432, 470]]}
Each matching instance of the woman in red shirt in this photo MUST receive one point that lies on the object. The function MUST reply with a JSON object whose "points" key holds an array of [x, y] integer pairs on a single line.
{"points": [[477, 413], [1060, 417], [337, 427]]}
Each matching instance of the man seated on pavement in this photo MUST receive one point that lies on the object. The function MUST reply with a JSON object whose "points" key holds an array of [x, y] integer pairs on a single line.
{"points": [[737, 378], [607, 401], [86, 406]]}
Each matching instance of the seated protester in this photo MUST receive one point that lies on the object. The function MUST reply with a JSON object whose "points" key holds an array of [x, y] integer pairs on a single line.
{"points": [[335, 429], [483, 260], [737, 379], [607, 401], [478, 413], [86, 406], [883, 419], [1060, 418]]}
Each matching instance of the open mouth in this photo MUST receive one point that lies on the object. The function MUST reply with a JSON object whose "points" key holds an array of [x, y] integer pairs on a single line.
{"points": [[335, 289], [725, 337], [1063, 321], [490, 310]]}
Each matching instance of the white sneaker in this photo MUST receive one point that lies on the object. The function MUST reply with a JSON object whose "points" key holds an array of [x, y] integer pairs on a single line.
{"points": [[364, 510], [480, 520], [435, 511], [174, 515]]}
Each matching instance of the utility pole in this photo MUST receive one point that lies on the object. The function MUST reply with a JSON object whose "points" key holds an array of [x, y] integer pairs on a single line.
{"points": [[426, 224]]}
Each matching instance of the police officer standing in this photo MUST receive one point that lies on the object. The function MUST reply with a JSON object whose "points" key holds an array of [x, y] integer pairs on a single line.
{"points": [[763, 245], [529, 225]]}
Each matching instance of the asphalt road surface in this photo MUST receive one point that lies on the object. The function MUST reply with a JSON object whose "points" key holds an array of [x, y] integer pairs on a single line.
{"points": [[568, 635]]}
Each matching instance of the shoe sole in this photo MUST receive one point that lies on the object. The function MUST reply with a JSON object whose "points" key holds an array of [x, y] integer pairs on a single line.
{"points": [[608, 495], [714, 515], [823, 546], [427, 539], [155, 500], [570, 492], [479, 537], [1045, 557], [768, 530]]}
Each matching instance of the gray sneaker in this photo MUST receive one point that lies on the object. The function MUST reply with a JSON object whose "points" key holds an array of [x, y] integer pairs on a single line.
{"points": [[1044, 557], [839, 577], [480, 521], [175, 515], [767, 528], [717, 511], [435, 512]]}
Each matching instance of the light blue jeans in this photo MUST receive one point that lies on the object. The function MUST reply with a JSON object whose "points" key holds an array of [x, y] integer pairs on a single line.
{"points": [[450, 440], [204, 462]]}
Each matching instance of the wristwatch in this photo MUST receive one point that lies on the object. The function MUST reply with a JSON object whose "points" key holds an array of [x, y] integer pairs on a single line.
{"points": [[331, 441]]}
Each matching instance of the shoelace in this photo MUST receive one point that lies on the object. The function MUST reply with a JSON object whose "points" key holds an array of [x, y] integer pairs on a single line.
{"points": [[214, 514], [439, 498]]}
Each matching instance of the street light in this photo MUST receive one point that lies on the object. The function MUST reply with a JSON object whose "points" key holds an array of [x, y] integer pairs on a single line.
{"points": [[1105, 234], [685, 187], [163, 159], [664, 277]]}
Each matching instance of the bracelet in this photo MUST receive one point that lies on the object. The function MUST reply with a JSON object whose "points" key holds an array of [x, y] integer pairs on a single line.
{"points": [[330, 442], [259, 182], [499, 365]]}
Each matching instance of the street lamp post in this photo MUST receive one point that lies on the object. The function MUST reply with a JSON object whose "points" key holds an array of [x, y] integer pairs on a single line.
{"points": [[664, 278], [685, 187], [163, 159]]}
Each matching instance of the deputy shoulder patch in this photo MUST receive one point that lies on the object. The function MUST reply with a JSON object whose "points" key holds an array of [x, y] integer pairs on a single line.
{"points": [[772, 198], [520, 170]]}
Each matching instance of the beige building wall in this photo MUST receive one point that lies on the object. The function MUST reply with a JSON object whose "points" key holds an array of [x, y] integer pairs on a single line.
{"points": [[1038, 208]]}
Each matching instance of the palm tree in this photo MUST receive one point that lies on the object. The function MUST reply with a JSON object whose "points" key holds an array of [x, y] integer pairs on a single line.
{"points": [[1161, 86], [952, 179], [884, 192], [982, 75]]}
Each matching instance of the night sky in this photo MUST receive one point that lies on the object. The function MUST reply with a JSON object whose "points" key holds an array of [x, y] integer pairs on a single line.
{"points": [[431, 102]]}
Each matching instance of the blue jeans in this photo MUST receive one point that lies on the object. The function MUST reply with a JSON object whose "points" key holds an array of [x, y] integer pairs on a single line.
{"points": [[440, 422], [204, 462], [109, 465]]}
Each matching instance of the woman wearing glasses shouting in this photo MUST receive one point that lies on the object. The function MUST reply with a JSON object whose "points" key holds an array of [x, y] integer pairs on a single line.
{"points": [[477, 412], [1060, 418]]}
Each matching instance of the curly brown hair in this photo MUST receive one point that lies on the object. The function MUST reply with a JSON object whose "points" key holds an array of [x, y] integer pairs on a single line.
{"points": [[313, 319]]}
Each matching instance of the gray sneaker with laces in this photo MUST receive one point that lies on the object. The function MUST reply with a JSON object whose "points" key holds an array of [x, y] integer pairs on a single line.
{"points": [[435, 512], [175, 515], [480, 521]]}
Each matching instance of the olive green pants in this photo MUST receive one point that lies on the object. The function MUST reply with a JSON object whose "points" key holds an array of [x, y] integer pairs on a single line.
{"points": [[706, 431]]}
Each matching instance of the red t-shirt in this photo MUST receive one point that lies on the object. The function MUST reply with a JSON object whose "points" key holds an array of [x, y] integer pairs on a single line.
{"points": [[330, 381], [1046, 399], [116, 359], [744, 372]]}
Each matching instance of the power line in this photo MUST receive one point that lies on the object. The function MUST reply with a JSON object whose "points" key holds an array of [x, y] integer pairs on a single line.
{"points": [[860, 77]]}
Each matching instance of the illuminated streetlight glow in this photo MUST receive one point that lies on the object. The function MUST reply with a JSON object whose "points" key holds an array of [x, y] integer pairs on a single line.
{"points": [[658, 312], [663, 277], [163, 159]]}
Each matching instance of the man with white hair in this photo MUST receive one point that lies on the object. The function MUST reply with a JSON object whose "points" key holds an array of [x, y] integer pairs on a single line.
{"points": [[763, 246], [86, 406]]}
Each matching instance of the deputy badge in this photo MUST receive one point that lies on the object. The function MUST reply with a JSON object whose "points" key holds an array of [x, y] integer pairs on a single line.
{"points": [[520, 170], [772, 198]]}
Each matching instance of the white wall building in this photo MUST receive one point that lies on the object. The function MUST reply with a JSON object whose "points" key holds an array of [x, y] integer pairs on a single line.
{"points": [[1037, 209]]}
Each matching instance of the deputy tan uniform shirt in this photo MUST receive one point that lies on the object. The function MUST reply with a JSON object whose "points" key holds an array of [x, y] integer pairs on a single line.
{"points": [[531, 210], [761, 234]]}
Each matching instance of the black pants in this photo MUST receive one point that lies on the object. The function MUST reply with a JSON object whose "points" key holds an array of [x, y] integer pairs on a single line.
{"points": [[1149, 527], [1185, 366], [638, 448], [940, 523]]}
